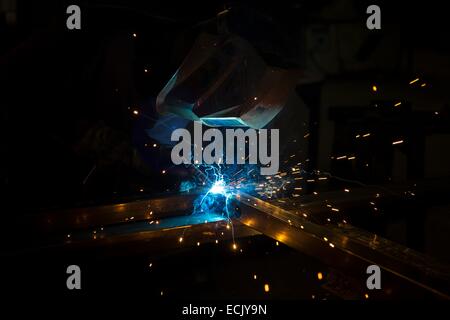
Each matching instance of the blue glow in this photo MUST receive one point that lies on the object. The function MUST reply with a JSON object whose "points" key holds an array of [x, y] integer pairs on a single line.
{"points": [[216, 199], [218, 187]]}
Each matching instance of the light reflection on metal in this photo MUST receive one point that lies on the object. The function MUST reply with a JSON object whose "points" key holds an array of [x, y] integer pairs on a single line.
{"points": [[346, 247]]}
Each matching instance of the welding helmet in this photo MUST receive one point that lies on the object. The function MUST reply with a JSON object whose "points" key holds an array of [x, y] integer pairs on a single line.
{"points": [[224, 82]]}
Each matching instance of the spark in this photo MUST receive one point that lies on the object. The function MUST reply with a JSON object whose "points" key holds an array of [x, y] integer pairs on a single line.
{"points": [[397, 142], [374, 88], [266, 287], [319, 275], [414, 81], [397, 104]]}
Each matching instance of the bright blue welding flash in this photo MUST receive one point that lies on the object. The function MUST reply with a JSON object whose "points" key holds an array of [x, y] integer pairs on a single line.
{"points": [[218, 187], [222, 184]]}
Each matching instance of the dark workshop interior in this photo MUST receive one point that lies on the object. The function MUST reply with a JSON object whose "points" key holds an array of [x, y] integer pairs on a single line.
{"points": [[364, 123]]}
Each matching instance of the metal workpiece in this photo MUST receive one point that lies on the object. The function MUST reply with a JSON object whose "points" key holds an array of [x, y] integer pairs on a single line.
{"points": [[153, 240], [85, 217]]}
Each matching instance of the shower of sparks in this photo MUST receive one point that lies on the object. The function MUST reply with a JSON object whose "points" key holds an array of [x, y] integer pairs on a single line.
{"points": [[221, 185]]}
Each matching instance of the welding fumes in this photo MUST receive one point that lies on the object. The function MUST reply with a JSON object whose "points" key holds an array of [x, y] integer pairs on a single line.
{"points": [[237, 142]]}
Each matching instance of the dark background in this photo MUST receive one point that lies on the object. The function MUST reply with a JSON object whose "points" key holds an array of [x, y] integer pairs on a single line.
{"points": [[71, 138]]}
